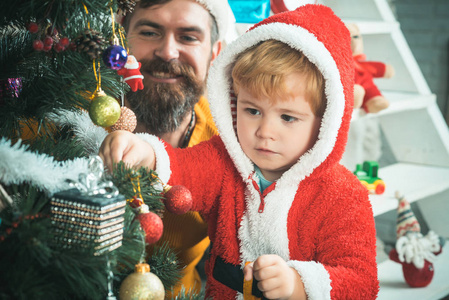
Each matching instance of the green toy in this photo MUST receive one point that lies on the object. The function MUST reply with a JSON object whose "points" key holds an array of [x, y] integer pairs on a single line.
{"points": [[367, 174]]}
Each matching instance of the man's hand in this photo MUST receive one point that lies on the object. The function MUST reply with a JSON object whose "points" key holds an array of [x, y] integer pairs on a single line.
{"points": [[126, 146], [276, 279]]}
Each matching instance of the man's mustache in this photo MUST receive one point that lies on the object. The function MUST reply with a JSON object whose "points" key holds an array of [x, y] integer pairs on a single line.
{"points": [[172, 67]]}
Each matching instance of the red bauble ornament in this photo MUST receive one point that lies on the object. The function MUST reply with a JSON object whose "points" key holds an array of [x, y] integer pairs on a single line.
{"points": [[33, 27], [38, 45], [58, 47], [48, 41], [178, 199], [152, 225], [47, 47], [127, 120], [64, 42]]}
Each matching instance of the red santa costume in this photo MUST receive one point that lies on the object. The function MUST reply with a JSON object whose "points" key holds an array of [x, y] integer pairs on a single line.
{"points": [[317, 216]]}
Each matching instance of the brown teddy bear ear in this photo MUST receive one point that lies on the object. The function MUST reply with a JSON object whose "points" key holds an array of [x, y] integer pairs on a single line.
{"points": [[356, 38]]}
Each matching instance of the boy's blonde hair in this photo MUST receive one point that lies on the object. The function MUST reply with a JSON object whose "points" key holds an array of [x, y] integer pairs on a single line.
{"points": [[262, 69]]}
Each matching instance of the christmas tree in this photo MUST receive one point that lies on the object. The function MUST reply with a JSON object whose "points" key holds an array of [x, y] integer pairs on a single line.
{"points": [[59, 62]]}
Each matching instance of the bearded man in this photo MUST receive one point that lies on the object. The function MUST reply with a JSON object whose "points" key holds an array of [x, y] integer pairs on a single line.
{"points": [[176, 42]]}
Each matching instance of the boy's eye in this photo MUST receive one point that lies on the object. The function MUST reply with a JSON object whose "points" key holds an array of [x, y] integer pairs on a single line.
{"points": [[288, 118], [252, 111]]}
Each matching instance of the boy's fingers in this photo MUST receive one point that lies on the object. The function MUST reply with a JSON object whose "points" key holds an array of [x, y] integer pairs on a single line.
{"points": [[248, 272], [265, 261]]}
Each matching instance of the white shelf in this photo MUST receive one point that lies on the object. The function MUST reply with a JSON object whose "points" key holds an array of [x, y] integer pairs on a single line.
{"points": [[415, 182], [394, 287], [399, 101], [374, 27]]}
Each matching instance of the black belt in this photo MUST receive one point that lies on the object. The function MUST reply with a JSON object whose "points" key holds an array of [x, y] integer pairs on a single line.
{"points": [[232, 276]]}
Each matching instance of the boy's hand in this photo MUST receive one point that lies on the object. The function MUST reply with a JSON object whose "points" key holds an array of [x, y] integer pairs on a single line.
{"points": [[276, 279], [124, 145]]}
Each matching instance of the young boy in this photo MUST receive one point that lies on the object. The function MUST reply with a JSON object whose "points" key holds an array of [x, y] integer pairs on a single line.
{"points": [[278, 204]]}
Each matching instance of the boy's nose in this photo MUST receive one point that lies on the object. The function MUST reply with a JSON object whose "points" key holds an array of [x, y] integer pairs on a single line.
{"points": [[266, 129], [167, 50]]}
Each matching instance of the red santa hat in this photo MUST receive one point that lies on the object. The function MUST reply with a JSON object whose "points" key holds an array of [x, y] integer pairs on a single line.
{"points": [[406, 220]]}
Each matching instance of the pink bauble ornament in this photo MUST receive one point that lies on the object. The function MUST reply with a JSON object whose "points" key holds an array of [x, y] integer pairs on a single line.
{"points": [[127, 120]]}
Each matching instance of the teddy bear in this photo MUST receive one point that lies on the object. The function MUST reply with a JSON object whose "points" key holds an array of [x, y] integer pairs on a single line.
{"points": [[366, 94]]}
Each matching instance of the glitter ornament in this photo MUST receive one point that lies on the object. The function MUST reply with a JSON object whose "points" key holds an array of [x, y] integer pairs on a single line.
{"points": [[11, 87], [142, 284], [152, 224], [104, 110], [127, 121], [178, 199], [114, 57]]}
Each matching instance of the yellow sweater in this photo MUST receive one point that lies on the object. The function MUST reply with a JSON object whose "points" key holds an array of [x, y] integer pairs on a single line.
{"points": [[187, 234]]}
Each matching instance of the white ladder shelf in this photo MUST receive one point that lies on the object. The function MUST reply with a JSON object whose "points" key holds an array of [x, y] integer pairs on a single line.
{"points": [[416, 133]]}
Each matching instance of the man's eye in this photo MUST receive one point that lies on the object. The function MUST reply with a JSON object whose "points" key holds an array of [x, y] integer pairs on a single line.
{"points": [[189, 38], [252, 111], [288, 118], [148, 33]]}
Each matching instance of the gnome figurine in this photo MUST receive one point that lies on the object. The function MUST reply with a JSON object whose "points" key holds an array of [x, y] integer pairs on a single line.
{"points": [[415, 252]]}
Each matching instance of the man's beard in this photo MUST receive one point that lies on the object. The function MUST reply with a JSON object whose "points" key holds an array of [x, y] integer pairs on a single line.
{"points": [[161, 107]]}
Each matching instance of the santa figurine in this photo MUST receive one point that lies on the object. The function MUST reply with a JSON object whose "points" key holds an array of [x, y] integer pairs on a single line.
{"points": [[415, 252], [131, 73]]}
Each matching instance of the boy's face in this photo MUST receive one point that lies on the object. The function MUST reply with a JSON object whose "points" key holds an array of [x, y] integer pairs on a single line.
{"points": [[275, 134]]}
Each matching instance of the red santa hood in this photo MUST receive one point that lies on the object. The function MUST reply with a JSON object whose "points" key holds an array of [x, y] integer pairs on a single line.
{"points": [[324, 39]]}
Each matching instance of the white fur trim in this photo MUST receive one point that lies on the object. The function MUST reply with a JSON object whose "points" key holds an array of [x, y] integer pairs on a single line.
{"points": [[317, 282], [162, 160], [134, 76], [265, 233], [220, 10]]}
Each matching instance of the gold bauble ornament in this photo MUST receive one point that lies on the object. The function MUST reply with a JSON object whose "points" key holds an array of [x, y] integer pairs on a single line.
{"points": [[142, 285], [104, 110], [127, 121]]}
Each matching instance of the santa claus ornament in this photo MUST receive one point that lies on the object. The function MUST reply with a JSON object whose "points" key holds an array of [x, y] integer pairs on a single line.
{"points": [[131, 73], [415, 252]]}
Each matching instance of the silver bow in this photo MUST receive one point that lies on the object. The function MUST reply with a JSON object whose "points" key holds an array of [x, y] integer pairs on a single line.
{"points": [[91, 184]]}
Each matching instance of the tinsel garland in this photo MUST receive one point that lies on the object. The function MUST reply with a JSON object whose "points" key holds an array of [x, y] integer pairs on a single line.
{"points": [[18, 165], [86, 132]]}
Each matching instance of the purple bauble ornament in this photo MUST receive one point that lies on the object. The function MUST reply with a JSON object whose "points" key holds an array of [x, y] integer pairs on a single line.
{"points": [[11, 87], [114, 57]]}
